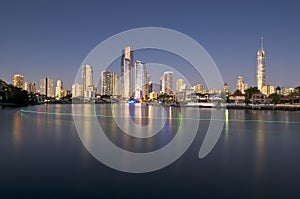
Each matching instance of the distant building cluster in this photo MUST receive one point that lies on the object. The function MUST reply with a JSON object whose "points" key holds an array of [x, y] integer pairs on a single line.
{"points": [[134, 82]]}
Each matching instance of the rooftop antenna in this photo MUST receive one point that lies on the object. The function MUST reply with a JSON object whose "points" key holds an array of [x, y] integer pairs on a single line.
{"points": [[262, 42]]}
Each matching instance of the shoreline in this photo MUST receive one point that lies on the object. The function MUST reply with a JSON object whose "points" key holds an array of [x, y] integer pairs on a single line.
{"points": [[283, 107]]}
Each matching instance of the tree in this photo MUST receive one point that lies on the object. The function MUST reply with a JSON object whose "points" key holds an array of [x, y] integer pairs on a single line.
{"points": [[275, 98], [16, 96], [237, 91], [249, 92]]}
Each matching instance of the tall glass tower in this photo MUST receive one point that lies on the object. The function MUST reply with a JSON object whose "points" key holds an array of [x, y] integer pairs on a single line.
{"points": [[167, 86], [126, 72], [261, 67], [140, 80], [87, 76], [89, 90]]}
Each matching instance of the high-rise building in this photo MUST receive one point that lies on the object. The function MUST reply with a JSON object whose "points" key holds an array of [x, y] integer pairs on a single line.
{"points": [[30, 87], [89, 90], [150, 88], [47, 87], [161, 83], [109, 84], [179, 84], [141, 80], [18, 81], [167, 82], [126, 72], [77, 90], [58, 89], [241, 85], [261, 67]]}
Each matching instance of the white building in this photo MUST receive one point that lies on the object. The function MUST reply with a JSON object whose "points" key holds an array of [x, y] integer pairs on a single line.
{"points": [[47, 87], [58, 89], [87, 81], [126, 73], [179, 85], [30, 87], [141, 82], [241, 85], [167, 82], [261, 67], [77, 90]]}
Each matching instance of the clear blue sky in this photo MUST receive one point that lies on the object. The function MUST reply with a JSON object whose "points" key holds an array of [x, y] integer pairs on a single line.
{"points": [[51, 38]]}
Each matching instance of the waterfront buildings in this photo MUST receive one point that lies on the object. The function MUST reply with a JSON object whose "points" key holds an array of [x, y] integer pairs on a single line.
{"points": [[77, 90], [179, 85], [241, 85], [267, 90], [126, 73], [109, 83], [58, 89], [198, 88], [167, 82], [30, 87], [47, 87], [89, 90], [141, 80], [18, 81], [261, 67]]}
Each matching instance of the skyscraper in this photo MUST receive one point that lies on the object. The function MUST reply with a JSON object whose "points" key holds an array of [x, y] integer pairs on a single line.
{"points": [[59, 88], [167, 83], [88, 87], [109, 83], [77, 90], [141, 80], [87, 76], [47, 87], [241, 85], [179, 84], [261, 67], [126, 72], [18, 81], [30, 87]]}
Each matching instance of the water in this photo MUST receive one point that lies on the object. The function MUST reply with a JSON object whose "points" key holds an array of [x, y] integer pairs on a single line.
{"points": [[42, 156]]}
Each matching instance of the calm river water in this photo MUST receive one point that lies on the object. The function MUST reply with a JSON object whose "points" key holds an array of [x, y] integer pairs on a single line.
{"points": [[42, 156]]}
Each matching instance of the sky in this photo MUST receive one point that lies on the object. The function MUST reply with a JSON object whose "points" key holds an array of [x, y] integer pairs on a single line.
{"points": [[52, 38]]}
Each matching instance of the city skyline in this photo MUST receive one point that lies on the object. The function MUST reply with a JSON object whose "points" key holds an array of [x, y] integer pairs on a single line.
{"points": [[229, 34]]}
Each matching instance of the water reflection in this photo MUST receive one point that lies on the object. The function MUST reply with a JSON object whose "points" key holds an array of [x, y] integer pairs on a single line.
{"points": [[138, 128], [17, 129]]}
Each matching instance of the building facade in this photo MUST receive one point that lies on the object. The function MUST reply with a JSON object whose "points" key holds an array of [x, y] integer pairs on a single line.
{"points": [[47, 87], [30, 87], [198, 88], [77, 90], [18, 81], [109, 83], [167, 84], [261, 67], [89, 90], [58, 89], [179, 85], [241, 85], [126, 73], [141, 80], [268, 90]]}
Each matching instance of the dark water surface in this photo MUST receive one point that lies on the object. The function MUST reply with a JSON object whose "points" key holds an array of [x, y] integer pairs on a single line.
{"points": [[256, 156]]}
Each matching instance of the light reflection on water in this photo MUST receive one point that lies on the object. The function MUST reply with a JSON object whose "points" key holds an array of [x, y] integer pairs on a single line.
{"points": [[250, 153]]}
